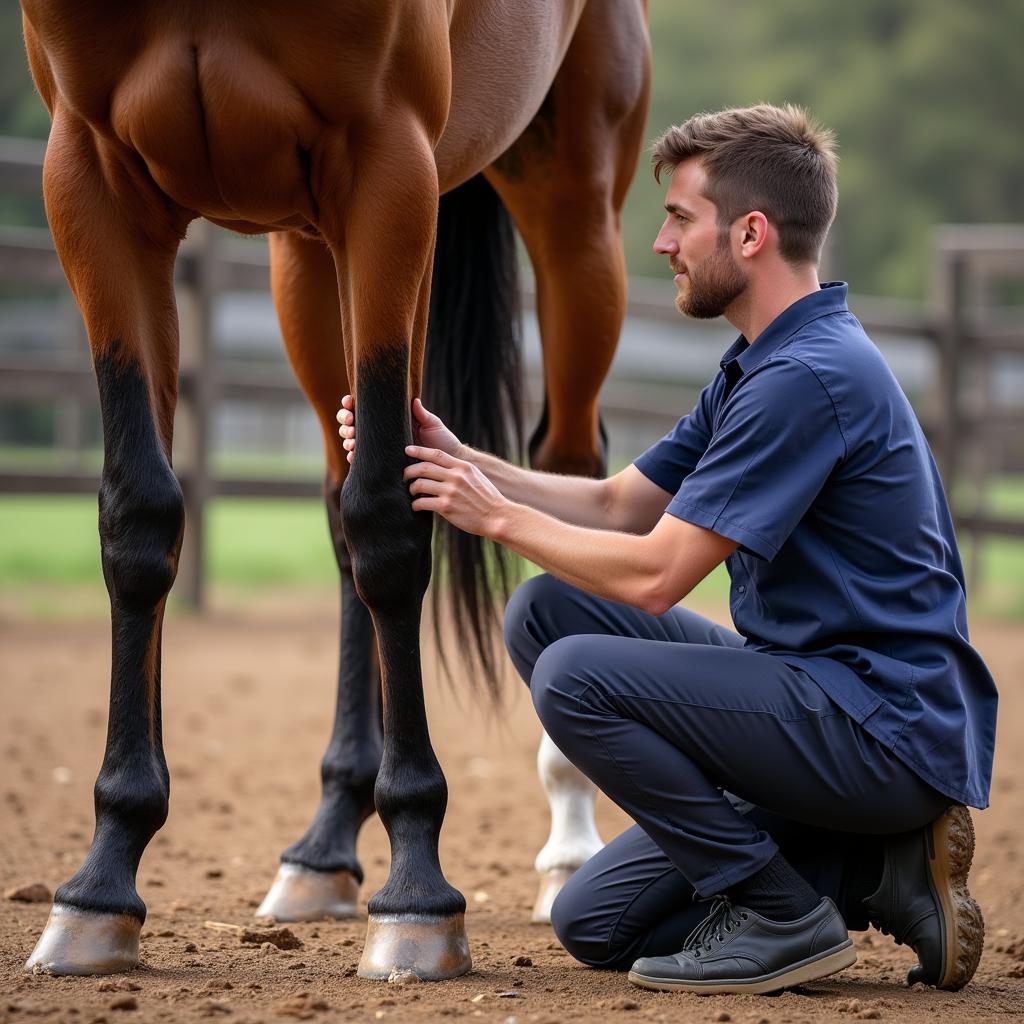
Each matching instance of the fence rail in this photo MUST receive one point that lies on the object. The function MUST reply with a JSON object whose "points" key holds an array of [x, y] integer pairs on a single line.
{"points": [[958, 323]]}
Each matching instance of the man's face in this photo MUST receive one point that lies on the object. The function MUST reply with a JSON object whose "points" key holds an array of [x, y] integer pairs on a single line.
{"points": [[707, 275]]}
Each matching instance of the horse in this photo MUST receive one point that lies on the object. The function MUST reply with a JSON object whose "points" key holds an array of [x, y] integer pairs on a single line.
{"points": [[385, 146]]}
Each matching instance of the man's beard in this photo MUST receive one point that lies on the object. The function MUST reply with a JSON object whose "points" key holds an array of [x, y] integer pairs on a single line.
{"points": [[712, 285]]}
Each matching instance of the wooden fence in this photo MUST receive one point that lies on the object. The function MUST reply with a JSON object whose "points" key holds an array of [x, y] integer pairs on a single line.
{"points": [[967, 429]]}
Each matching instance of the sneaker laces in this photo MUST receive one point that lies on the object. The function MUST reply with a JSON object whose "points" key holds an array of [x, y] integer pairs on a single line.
{"points": [[723, 917]]}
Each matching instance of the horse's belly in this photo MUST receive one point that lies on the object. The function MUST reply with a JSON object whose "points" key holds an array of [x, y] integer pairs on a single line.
{"points": [[504, 59], [220, 130], [240, 120]]}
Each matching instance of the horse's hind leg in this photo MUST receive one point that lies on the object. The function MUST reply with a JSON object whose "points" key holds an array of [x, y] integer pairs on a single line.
{"points": [[564, 183], [573, 838], [320, 875], [117, 241]]}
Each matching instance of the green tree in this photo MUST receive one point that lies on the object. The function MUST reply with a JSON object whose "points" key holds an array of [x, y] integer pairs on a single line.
{"points": [[924, 96], [21, 110]]}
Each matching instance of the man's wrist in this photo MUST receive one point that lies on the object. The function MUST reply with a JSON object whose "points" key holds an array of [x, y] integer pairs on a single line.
{"points": [[504, 521]]}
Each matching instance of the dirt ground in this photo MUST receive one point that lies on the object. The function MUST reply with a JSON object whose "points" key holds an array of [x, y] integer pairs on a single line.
{"points": [[247, 708]]}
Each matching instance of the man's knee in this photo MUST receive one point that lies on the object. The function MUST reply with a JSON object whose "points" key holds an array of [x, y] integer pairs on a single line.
{"points": [[574, 926], [557, 677], [567, 924], [526, 625], [585, 930]]}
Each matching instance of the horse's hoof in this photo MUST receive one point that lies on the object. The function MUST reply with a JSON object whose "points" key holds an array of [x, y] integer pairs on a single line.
{"points": [[85, 942], [429, 947], [302, 894], [551, 883]]}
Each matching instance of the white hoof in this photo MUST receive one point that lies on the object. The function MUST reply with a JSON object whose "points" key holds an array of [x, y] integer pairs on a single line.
{"points": [[82, 942], [301, 894], [402, 946], [551, 883]]}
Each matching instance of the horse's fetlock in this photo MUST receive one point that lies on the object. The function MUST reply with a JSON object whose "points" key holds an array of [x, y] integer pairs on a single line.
{"points": [[411, 791], [135, 793], [356, 776]]}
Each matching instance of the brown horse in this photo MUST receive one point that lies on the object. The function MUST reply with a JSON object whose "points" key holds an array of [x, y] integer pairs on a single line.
{"points": [[337, 126]]}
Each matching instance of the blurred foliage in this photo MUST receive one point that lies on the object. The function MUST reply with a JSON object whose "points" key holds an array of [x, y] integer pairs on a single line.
{"points": [[924, 95], [21, 110], [28, 423]]}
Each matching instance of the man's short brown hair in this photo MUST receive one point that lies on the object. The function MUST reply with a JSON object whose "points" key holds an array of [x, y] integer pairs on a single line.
{"points": [[772, 159]]}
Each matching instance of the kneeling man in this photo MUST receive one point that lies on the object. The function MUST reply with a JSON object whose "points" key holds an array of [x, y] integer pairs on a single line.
{"points": [[808, 771]]}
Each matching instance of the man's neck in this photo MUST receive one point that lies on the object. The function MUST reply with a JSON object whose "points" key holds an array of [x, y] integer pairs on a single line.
{"points": [[766, 297]]}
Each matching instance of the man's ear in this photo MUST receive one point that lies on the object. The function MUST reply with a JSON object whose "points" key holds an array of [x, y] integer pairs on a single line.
{"points": [[753, 233]]}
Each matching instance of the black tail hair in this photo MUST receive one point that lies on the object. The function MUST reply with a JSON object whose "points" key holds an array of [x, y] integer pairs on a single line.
{"points": [[473, 380]]}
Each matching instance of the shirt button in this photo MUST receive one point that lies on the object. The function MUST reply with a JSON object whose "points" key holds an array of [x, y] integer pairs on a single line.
{"points": [[742, 588]]}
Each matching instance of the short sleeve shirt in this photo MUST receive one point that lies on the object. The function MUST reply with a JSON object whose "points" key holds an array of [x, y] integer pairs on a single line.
{"points": [[805, 451]]}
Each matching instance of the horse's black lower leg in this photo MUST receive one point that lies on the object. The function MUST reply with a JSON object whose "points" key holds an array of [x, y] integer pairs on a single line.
{"points": [[320, 874], [416, 919], [97, 914]]}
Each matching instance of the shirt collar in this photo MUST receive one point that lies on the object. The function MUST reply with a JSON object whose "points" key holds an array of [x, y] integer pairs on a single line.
{"points": [[743, 356]]}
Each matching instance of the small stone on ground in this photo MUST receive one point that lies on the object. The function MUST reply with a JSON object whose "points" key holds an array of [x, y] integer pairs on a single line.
{"points": [[34, 893]]}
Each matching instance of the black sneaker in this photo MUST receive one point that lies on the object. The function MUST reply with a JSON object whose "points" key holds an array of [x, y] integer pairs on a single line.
{"points": [[923, 900], [736, 950]]}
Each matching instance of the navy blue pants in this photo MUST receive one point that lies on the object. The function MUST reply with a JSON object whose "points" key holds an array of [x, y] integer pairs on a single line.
{"points": [[721, 755]]}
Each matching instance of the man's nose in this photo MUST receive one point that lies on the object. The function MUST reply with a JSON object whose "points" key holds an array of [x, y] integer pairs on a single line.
{"points": [[664, 245]]}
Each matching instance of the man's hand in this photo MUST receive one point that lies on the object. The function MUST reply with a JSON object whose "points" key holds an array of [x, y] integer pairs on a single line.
{"points": [[428, 430], [454, 489]]}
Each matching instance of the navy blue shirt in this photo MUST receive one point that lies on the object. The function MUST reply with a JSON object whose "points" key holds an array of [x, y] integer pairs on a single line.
{"points": [[805, 451]]}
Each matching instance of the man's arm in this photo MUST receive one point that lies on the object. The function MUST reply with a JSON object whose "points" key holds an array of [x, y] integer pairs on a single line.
{"points": [[627, 502], [651, 571]]}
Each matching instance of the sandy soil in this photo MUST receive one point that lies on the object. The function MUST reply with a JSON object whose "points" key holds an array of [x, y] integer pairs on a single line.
{"points": [[248, 701]]}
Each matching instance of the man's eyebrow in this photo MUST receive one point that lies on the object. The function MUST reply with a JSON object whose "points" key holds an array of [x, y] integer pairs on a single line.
{"points": [[676, 208]]}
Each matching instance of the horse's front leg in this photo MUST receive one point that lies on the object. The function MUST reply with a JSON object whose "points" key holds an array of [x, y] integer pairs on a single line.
{"points": [[116, 239], [564, 182], [416, 919]]}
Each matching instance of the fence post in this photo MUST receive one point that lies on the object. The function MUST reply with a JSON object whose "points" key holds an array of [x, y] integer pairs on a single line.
{"points": [[194, 407], [948, 302]]}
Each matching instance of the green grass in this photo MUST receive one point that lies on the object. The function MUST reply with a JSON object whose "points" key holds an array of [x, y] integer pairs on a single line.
{"points": [[249, 542], [1005, 497], [231, 464], [45, 459], [258, 542], [255, 544]]}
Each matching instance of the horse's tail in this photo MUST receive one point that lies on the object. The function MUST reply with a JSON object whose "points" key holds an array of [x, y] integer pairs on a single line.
{"points": [[473, 381]]}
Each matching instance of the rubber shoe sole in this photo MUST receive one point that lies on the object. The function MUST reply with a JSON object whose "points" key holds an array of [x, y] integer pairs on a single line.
{"points": [[821, 966], [950, 842]]}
